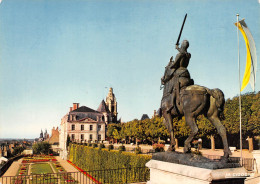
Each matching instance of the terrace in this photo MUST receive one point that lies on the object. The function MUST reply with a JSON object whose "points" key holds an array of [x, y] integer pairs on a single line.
{"points": [[53, 170]]}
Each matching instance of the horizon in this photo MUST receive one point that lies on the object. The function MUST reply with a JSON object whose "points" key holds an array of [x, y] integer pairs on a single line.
{"points": [[122, 122], [55, 53]]}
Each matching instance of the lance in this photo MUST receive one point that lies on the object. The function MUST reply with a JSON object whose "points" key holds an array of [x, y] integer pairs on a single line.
{"points": [[177, 43]]}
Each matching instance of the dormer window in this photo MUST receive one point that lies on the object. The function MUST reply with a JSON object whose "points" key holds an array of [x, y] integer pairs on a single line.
{"points": [[74, 118]]}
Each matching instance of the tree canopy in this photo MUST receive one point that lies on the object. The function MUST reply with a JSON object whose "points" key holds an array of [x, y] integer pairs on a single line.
{"points": [[151, 130], [41, 148]]}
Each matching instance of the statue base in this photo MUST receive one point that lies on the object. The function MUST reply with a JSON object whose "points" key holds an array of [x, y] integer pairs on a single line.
{"points": [[167, 172]]}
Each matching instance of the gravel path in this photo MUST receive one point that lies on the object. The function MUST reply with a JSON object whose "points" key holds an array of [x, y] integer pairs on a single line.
{"points": [[13, 169], [67, 166], [70, 168]]}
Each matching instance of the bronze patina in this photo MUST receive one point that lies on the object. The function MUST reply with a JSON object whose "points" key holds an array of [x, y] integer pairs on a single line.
{"points": [[182, 98]]}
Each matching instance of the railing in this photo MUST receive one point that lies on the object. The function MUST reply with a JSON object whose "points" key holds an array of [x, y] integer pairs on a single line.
{"points": [[111, 176], [8, 164], [247, 163]]}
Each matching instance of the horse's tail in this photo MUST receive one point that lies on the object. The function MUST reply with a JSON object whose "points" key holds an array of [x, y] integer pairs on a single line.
{"points": [[220, 100]]}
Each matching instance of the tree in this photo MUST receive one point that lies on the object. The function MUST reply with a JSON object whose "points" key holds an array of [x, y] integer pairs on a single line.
{"points": [[41, 148], [18, 150], [150, 130], [250, 106], [68, 141], [113, 131]]}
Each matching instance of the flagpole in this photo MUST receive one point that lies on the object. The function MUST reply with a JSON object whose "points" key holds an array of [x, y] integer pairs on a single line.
{"points": [[240, 116]]}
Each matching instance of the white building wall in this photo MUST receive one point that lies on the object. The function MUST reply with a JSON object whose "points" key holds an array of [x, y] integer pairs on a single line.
{"points": [[63, 138], [65, 129]]}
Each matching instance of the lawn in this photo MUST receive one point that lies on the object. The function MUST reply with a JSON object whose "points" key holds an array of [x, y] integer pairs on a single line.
{"points": [[41, 168], [42, 172]]}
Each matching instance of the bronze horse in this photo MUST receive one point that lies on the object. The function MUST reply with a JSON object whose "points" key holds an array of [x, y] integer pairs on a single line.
{"points": [[194, 100]]}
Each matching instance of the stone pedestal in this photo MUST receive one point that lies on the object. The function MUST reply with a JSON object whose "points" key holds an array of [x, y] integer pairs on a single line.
{"points": [[256, 155], [167, 173]]}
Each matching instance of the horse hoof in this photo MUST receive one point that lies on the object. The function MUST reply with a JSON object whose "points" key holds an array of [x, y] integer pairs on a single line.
{"points": [[226, 154], [186, 150], [171, 149]]}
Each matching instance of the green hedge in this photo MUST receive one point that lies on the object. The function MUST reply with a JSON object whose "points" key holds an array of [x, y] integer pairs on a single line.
{"points": [[88, 158]]}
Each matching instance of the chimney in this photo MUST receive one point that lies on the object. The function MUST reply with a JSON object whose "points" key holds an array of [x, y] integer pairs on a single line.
{"points": [[70, 109], [75, 106]]}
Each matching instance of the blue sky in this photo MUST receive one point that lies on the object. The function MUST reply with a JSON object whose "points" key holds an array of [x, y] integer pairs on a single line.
{"points": [[54, 53]]}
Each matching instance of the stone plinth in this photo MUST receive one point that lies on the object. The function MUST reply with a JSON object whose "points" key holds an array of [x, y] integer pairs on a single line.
{"points": [[174, 167], [256, 155], [194, 160], [167, 173]]}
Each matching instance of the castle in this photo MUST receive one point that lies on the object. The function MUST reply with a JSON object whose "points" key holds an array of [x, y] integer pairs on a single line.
{"points": [[83, 124]]}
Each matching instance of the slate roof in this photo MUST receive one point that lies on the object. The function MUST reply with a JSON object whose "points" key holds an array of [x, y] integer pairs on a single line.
{"points": [[85, 112], [103, 107], [84, 109], [144, 116]]}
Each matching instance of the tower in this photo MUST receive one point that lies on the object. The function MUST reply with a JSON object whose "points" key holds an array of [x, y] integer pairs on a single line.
{"points": [[112, 105], [41, 134]]}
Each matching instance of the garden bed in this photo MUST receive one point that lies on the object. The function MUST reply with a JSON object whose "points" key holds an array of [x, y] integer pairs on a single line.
{"points": [[41, 158]]}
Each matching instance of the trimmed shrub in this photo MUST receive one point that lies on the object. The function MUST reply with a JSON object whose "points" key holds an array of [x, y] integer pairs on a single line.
{"points": [[88, 158], [138, 150], [89, 145], [121, 148], [110, 147], [101, 145], [94, 145]]}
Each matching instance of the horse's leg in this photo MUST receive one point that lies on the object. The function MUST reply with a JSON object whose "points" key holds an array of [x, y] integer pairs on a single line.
{"points": [[169, 124], [194, 130], [222, 132]]}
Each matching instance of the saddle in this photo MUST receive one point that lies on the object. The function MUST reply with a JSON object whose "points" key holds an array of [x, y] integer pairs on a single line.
{"points": [[194, 89], [188, 90]]}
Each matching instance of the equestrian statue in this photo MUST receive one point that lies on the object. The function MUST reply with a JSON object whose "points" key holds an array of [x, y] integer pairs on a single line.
{"points": [[182, 98]]}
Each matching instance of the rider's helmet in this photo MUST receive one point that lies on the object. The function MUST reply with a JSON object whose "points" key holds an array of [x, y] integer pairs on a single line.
{"points": [[185, 44]]}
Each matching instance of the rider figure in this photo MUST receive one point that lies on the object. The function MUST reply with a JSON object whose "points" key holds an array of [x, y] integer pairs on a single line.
{"points": [[179, 76]]}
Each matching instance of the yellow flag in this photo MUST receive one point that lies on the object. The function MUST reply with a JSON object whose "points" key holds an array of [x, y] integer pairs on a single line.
{"points": [[251, 59]]}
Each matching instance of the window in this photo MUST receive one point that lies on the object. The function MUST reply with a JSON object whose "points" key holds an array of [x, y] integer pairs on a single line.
{"points": [[90, 137], [112, 109], [72, 137], [82, 137], [103, 118], [72, 127], [90, 127], [82, 127], [99, 137], [99, 127]]}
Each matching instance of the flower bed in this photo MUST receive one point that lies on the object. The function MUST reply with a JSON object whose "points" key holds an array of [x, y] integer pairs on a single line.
{"points": [[23, 170], [65, 177], [20, 180], [58, 167], [36, 158], [158, 147]]}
